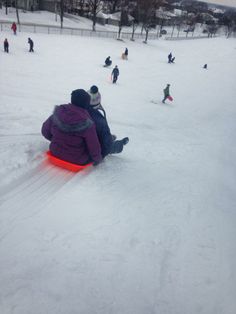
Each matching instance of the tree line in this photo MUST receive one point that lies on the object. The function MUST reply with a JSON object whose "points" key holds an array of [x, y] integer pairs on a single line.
{"points": [[145, 13]]}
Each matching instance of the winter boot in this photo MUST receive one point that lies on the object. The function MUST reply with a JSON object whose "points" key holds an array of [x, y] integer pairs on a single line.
{"points": [[125, 140], [117, 146]]}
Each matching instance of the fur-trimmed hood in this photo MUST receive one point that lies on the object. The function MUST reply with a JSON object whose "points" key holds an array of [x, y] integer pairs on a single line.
{"points": [[70, 118]]}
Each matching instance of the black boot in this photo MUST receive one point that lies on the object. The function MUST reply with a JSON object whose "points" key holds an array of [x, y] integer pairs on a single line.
{"points": [[125, 140], [117, 146]]}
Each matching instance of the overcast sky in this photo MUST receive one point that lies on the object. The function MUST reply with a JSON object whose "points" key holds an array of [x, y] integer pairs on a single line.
{"points": [[231, 3]]}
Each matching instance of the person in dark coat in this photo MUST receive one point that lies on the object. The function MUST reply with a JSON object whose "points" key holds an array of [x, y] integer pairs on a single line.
{"points": [[115, 73], [31, 44], [109, 144], [95, 102], [6, 45], [166, 93], [169, 57], [108, 61], [124, 55], [95, 98], [205, 66], [14, 27], [72, 132]]}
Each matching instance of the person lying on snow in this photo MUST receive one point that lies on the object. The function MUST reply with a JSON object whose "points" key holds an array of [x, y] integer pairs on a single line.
{"points": [[72, 132]]}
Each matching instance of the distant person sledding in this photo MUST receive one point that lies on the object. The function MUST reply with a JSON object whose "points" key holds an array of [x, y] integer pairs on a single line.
{"points": [[114, 74], [14, 27], [6, 45], [31, 44], [124, 55], [171, 59], [167, 94], [108, 62]]}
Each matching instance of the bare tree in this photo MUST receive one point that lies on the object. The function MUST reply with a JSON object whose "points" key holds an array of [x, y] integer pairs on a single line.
{"points": [[96, 7], [81, 4], [61, 12], [114, 5], [190, 22], [124, 16], [212, 28], [229, 21], [17, 12], [135, 14], [147, 14], [56, 10], [121, 23], [6, 6]]}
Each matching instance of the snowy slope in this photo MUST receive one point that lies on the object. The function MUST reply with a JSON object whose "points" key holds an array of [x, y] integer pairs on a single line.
{"points": [[151, 230]]}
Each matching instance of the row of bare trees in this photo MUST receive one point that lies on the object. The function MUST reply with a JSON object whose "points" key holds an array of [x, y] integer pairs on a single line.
{"points": [[143, 13], [139, 12], [7, 4]]}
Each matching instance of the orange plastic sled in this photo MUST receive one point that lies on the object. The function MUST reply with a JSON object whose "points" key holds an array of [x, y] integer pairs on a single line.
{"points": [[65, 164]]}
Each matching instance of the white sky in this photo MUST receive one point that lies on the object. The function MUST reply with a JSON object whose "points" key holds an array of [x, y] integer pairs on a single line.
{"points": [[231, 3]]}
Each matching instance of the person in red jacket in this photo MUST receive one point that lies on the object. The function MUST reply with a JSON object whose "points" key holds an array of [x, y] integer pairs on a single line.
{"points": [[72, 132], [14, 28]]}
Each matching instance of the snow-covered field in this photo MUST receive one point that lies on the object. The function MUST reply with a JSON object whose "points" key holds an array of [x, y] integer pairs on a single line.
{"points": [[151, 230]]}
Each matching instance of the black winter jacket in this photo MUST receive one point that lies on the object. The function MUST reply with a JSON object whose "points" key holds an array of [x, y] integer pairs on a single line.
{"points": [[103, 130]]}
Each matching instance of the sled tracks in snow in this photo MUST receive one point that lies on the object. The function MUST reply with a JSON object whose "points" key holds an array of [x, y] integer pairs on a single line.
{"points": [[29, 194]]}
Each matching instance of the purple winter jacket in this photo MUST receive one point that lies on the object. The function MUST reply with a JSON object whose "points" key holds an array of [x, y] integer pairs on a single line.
{"points": [[72, 134]]}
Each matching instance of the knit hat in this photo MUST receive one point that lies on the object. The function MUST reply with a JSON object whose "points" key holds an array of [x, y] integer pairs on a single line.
{"points": [[80, 98], [93, 89], [95, 99]]}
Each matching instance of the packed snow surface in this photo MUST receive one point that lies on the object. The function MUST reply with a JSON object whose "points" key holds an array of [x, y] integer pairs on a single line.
{"points": [[151, 230]]}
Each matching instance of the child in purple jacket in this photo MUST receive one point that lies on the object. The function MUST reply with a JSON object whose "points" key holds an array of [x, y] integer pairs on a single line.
{"points": [[72, 132]]}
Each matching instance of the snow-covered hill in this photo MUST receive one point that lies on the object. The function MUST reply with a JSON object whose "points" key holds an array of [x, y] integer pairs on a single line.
{"points": [[151, 230]]}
